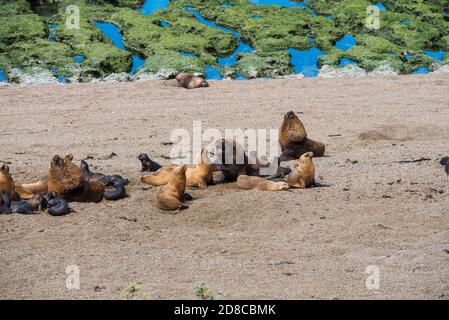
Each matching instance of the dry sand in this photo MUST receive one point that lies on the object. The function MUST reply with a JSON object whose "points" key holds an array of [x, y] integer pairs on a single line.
{"points": [[375, 212]]}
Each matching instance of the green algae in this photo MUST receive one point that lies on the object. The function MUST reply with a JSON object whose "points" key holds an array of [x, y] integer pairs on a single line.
{"points": [[24, 39]]}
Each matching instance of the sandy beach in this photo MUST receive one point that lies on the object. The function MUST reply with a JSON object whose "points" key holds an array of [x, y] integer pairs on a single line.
{"points": [[313, 243]]}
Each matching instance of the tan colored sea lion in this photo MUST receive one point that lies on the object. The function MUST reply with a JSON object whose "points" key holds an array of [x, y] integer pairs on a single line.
{"points": [[170, 197], [67, 181], [258, 183], [303, 176], [189, 81], [199, 176], [293, 139], [6, 183]]}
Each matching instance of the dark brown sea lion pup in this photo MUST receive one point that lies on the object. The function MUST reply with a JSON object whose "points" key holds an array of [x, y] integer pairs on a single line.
{"points": [[293, 139], [260, 184], [171, 197], [67, 182], [115, 184], [303, 176], [57, 207], [445, 162], [5, 207], [148, 165], [189, 81]]}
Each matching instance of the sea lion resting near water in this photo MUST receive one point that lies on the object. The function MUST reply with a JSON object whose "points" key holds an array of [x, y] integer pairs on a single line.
{"points": [[293, 139], [189, 81], [258, 183], [171, 196], [303, 176], [200, 176]]}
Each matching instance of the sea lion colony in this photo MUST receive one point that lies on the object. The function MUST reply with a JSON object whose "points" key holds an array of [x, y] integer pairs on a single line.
{"points": [[66, 182]]}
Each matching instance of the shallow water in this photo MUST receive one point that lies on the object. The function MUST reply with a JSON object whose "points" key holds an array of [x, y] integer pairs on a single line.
{"points": [[282, 3], [380, 6], [151, 6], [212, 73], [346, 43], [346, 61], [435, 55], [422, 70], [79, 58], [305, 62], [112, 32], [3, 77]]}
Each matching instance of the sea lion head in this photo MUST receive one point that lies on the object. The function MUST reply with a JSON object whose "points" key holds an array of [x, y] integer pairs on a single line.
{"points": [[64, 176], [204, 84], [306, 157], [180, 169], [84, 166], [290, 115], [282, 185], [5, 170]]}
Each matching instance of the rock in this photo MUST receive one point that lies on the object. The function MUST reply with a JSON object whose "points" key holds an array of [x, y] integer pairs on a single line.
{"points": [[384, 69], [350, 70], [34, 75], [117, 77]]}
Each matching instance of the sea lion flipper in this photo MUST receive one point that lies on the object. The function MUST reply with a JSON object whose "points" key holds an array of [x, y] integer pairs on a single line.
{"points": [[22, 193]]}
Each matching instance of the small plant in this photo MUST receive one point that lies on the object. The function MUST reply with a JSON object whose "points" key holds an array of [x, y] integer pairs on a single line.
{"points": [[202, 292], [130, 293]]}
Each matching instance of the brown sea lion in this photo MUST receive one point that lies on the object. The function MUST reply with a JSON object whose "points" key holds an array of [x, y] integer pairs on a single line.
{"points": [[7, 185], [258, 183], [171, 197], [235, 164], [199, 176], [293, 139], [303, 176], [67, 181], [189, 81]]}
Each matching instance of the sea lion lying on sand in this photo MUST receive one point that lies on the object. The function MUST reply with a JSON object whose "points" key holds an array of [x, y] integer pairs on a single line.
{"points": [[10, 196], [303, 176], [189, 81], [115, 182], [258, 183], [171, 196], [293, 139], [199, 176], [148, 165], [67, 182]]}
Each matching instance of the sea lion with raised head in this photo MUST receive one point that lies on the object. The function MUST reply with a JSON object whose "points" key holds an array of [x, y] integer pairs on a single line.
{"points": [[293, 139], [189, 81], [303, 176], [260, 184], [98, 176], [148, 165], [171, 196], [7, 183], [67, 181]]}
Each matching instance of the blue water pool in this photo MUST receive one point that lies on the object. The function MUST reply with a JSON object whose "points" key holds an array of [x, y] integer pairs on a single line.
{"points": [[346, 61], [346, 43], [330, 17], [305, 62], [151, 6], [408, 56], [446, 14], [239, 76], [112, 32], [435, 55], [79, 58], [60, 78], [406, 22], [227, 5], [164, 23], [187, 54], [282, 3], [257, 18], [3, 77], [422, 70], [380, 6], [212, 73]]}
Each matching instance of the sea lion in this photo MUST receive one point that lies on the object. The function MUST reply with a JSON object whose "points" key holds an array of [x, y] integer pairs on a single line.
{"points": [[445, 162], [104, 179], [260, 184], [67, 181], [58, 207], [7, 183], [199, 176], [171, 196], [231, 168], [303, 176], [189, 81], [37, 203], [5, 207], [293, 139], [148, 165], [118, 191]]}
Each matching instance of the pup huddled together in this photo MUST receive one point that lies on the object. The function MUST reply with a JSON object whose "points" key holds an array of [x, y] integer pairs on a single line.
{"points": [[173, 179], [66, 182]]}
